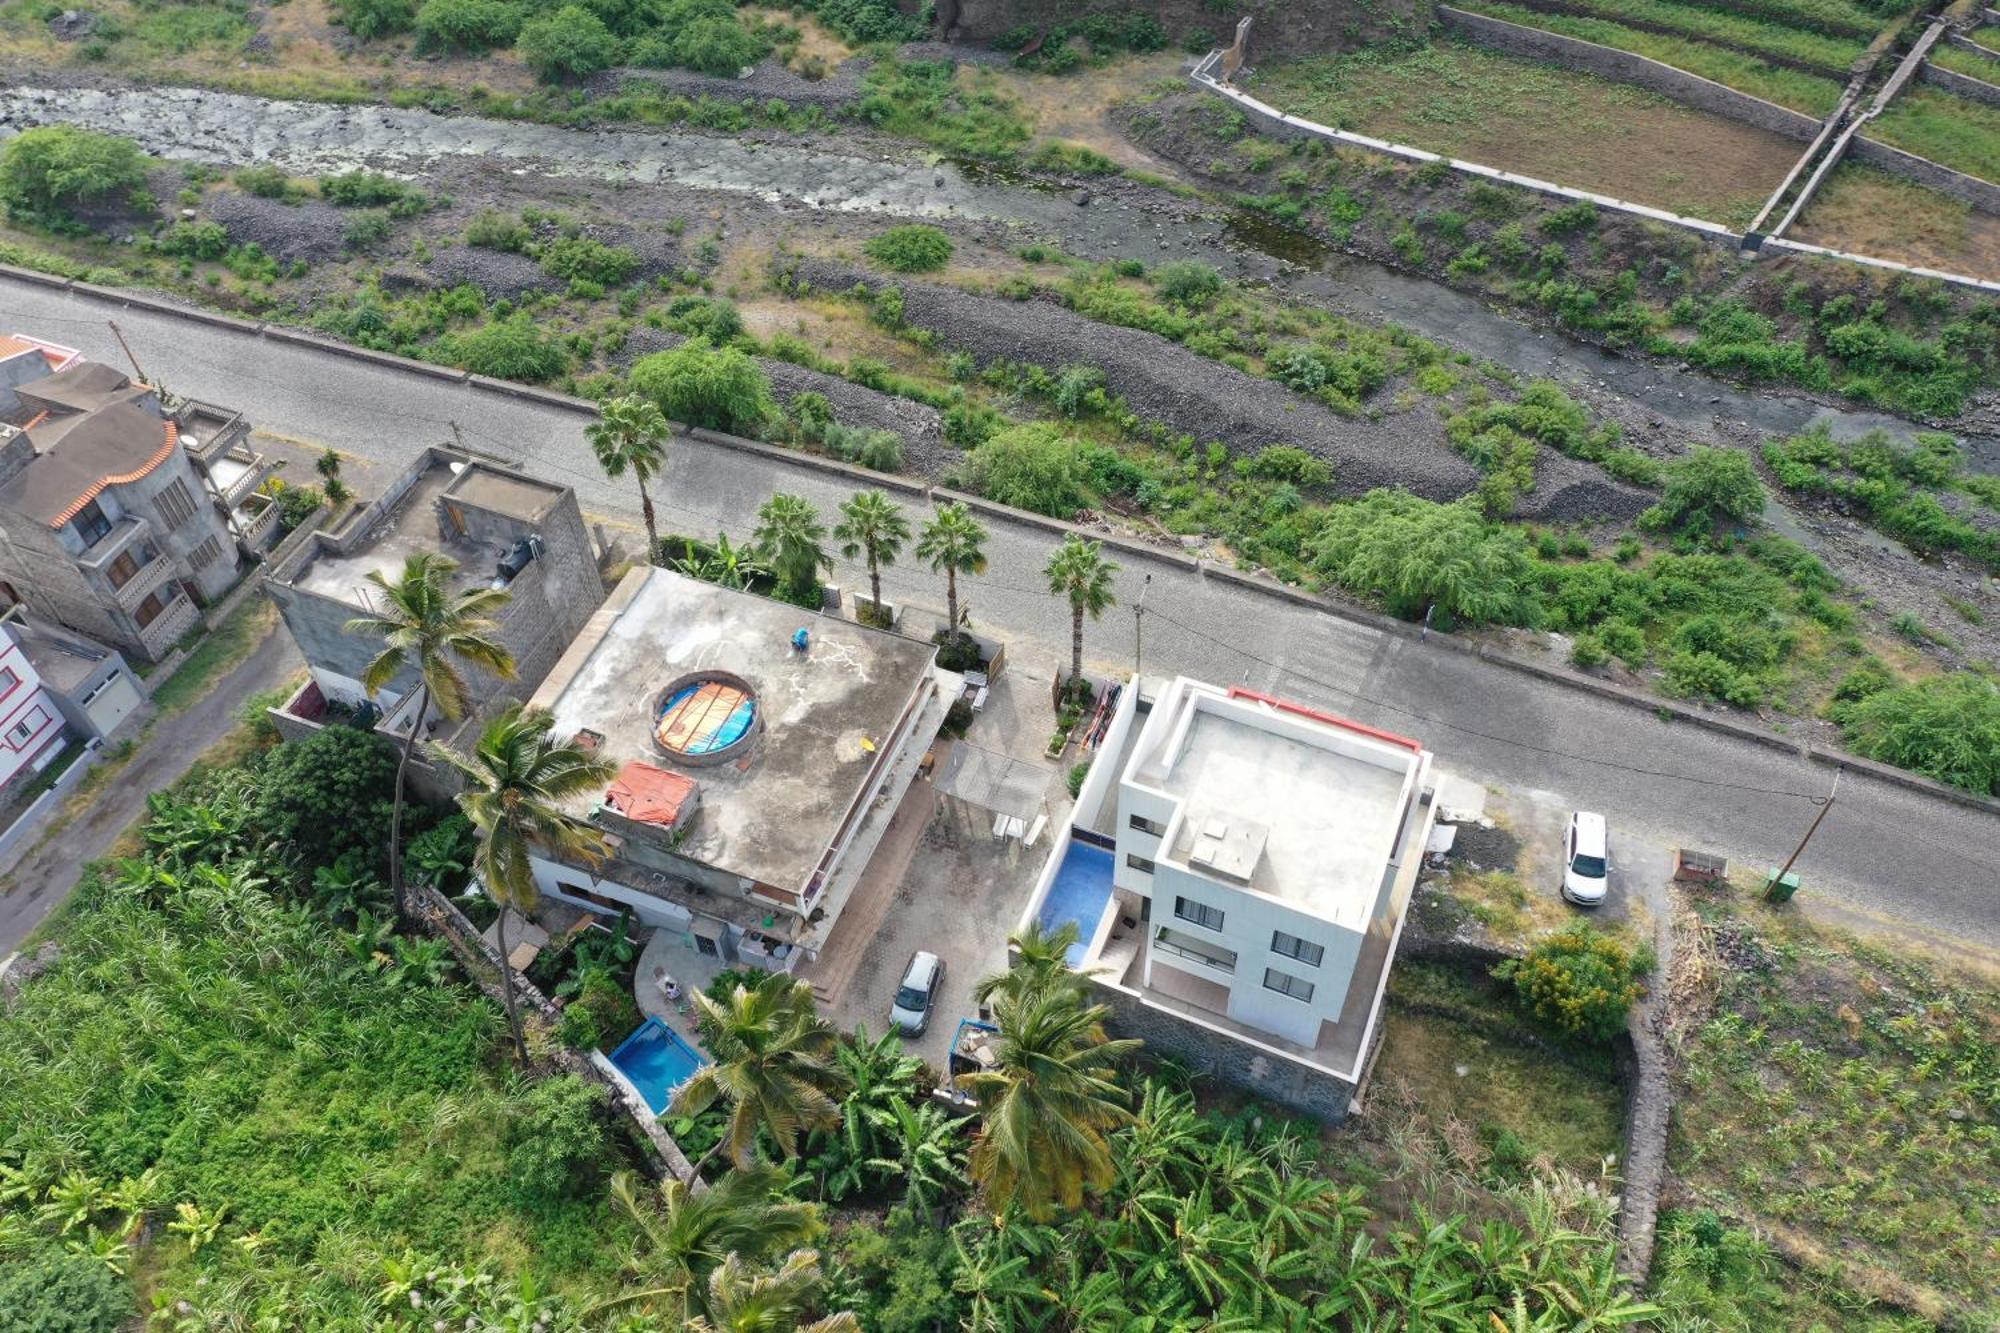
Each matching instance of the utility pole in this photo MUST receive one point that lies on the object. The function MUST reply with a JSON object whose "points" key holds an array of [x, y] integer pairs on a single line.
{"points": [[1139, 626], [1824, 807], [137, 374]]}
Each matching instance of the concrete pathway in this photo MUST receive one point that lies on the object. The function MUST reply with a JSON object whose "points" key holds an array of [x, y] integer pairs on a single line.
{"points": [[47, 873]]}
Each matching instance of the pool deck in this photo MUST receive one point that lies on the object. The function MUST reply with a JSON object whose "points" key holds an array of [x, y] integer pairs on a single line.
{"points": [[667, 948]]}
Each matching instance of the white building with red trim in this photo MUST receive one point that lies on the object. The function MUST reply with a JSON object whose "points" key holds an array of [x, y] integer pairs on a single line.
{"points": [[31, 725]]}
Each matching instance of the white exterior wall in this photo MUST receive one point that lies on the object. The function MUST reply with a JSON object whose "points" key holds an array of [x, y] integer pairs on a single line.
{"points": [[347, 690], [552, 876], [30, 721]]}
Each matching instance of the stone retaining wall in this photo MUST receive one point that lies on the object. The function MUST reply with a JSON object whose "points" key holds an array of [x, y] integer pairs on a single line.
{"points": [[1981, 194], [1975, 90], [1681, 86], [1680, 34]]}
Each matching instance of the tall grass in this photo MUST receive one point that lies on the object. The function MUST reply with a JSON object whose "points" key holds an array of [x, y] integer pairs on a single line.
{"points": [[1704, 22], [1951, 131]]}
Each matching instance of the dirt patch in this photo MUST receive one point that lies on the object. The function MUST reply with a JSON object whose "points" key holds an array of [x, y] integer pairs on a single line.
{"points": [[1541, 120], [311, 231], [1077, 108], [1870, 212]]}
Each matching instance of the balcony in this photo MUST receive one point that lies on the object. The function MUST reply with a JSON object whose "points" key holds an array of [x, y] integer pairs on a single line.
{"points": [[97, 557], [175, 619], [210, 432], [256, 523], [145, 579], [1210, 957]]}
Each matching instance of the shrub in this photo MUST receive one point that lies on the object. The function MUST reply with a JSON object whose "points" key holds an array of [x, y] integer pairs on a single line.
{"points": [[1946, 727], [1706, 488], [366, 230], [328, 795], [1033, 466], [467, 25], [1414, 554], [491, 229], [578, 257], [47, 171], [720, 388], [568, 44], [368, 189], [1187, 282], [1075, 779], [515, 348], [914, 248], [266, 183], [57, 1292], [705, 317], [369, 19], [1580, 981], [194, 240], [718, 45], [556, 1141]]}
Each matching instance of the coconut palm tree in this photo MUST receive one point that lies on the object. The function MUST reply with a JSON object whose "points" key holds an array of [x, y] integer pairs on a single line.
{"points": [[1040, 961], [742, 1300], [688, 1233], [1078, 571], [427, 626], [873, 525], [955, 542], [789, 535], [516, 780], [1047, 1103], [774, 1066], [631, 433]]}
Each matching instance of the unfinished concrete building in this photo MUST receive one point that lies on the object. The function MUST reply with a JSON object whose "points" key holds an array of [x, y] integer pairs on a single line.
{"points": [[762, 751], [504, 529]]}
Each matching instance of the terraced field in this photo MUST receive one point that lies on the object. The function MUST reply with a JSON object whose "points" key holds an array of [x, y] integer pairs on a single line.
{"points": [[1952, 131]]}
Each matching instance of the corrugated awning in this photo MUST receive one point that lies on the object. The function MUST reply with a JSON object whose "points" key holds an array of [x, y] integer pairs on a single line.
{"points": [[648, 794]]}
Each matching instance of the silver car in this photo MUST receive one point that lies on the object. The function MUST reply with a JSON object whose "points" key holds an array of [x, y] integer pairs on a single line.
{"points": [[917, 995]]}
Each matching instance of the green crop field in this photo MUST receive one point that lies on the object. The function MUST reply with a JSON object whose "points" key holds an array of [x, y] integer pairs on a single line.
{"points": [[1705, 24], [1952, 131]]}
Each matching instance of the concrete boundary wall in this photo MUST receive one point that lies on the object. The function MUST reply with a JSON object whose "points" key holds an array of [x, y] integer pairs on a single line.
{"points": [[1678, 84], [1559, 7], [1979, 284], [1964, 43], [1348, 611], [1973, 90], [1981, 194]]}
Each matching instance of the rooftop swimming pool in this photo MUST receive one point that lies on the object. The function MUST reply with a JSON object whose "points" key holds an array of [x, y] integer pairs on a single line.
{"points": [[657, 1060], [1081, 890]]}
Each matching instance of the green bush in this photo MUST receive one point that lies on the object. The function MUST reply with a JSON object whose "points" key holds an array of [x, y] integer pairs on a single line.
{"points": [[1707, 488], [366, 230], [515, 348], [467, 25], [1580, 981], [1187, 282], [266, 183], [194, 240], [491, 229], [574, 257], [913, 248], [369, 19], [368, 189], [1033, 466], [566, 45], [328, 795], [716, 44], [720, 388], [706, 317], [556, 1143], [1946, 727], [1413, 554], [47, 171], [59, 1292]]}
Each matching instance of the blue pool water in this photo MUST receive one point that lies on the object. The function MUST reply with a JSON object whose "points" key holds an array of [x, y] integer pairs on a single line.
{"points": [[1081, 889], [657, 1060]]}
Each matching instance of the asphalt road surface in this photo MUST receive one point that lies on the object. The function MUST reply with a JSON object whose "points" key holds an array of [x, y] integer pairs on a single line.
{"points": [[1883, 849]]}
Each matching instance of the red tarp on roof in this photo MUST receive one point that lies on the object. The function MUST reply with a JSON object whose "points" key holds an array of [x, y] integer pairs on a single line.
{"points": [[648, 794]]}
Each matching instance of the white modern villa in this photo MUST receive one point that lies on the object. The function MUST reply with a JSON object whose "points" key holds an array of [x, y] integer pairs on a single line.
{"points": [[1238, 869]]}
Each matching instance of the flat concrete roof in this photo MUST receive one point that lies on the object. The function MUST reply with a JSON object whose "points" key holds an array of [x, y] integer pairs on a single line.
{"points": [[769, 811], [1327, 820], [409, 527], [504, 492]]}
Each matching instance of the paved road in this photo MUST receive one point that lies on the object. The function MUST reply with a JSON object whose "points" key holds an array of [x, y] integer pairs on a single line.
{"points": [[1884, 849]]}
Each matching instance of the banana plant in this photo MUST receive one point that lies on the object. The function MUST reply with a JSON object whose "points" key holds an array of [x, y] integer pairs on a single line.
{"points": [[196, 1227]]}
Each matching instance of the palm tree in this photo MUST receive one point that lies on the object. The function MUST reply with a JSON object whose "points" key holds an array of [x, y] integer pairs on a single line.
{"points": [[789, 534], [740, 1300], [1047, 1103], [872, 524], [631, 433], [425, 625], [1041, 961], [1077, 570], [515, 781], [955, 542], [774, 1066], [691, 1232]]}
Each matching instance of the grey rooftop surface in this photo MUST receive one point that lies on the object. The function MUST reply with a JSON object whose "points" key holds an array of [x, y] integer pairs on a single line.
{"points": [[411, 526], [769, 812], [1327, 820]]}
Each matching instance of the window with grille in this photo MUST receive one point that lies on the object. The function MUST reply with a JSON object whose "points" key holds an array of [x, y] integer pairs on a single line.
{"points": [[1286, 984], [1291, 946], [1187, 909], [205, 554], [174, 504]]}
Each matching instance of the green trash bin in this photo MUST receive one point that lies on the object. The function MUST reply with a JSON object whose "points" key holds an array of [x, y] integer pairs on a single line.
{"points": [[1778, 890]]}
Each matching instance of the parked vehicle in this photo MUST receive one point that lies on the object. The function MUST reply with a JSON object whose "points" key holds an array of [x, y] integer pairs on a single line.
{"points": [[917, 995], [1586, 859]]}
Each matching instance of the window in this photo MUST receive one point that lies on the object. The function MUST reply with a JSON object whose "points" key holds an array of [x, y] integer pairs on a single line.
{"points": [[156, 601], [1291, 946], [1187, 909], [8, 680], [204, 555], [1138, 862], [1286, 984], [1145, 825], [24, 728], [174, 505], [91, 524]]}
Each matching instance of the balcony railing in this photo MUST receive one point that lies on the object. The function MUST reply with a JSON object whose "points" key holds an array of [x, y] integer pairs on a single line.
{"points": [[208, 431], [1220, 960], [256, 522], [97, 557], [176, 619], [145, 579]]}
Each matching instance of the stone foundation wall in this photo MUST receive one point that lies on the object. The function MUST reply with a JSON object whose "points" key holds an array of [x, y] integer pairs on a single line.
{"points": [[1226, 1060], [1681, 86], [1982, 195], [1977, 90]]}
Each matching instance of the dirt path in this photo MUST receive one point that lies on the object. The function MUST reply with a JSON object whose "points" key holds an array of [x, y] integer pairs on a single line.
{"points": [[45, 876], [1651, 1105]]}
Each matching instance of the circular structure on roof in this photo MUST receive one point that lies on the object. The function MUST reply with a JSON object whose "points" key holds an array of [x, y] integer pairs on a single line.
{"points": [[705, 718]]}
